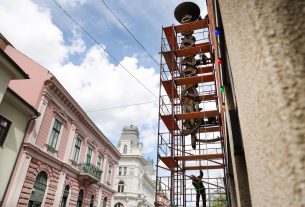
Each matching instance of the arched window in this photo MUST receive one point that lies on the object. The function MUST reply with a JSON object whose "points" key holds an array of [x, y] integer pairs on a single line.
{"points": [[39, 189], [118, 205], [92, 201], [64, 200], [125, 149], [121, 187], [105, 202], [80, 198]]}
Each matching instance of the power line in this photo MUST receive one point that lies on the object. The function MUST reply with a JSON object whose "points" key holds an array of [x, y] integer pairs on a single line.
{"points": [[117, 18], [101, 46], [124, 106]]}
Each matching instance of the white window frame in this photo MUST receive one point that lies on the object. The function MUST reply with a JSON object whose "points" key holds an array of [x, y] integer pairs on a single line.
{"points": [[8, 131], [121, 187], [62, 121], [89, 147], [109, 173], [102, 161], [80, 148], [125, 149]]}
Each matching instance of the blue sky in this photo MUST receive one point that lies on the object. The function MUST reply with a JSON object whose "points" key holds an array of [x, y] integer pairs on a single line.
{"points": [[43, 32]]}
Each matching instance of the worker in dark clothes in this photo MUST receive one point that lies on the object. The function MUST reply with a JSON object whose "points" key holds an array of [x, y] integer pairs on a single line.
{"points": [[200, 190]]}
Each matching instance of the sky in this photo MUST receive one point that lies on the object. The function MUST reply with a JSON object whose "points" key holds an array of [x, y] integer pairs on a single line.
{"points": [[96, 80]]}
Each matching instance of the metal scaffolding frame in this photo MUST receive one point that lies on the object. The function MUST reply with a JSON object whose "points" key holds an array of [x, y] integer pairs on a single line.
{"points": [[190, 138]]}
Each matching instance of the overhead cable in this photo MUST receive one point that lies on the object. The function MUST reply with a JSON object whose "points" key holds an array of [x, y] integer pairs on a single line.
{"points": [[101, 46], [117, 18], [124, 106]]}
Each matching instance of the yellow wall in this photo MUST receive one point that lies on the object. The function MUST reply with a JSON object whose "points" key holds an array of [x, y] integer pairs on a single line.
{"points": [[9, 151]]}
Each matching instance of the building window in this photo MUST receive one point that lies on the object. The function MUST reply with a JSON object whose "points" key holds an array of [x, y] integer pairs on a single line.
{"points": [[89, 155], [92, 201], [65, 196], [4, 127], [105, 202], [125, 149], [55, 134], [118, 205], [131, 171], [109, 173], [99, 162], [80, 198], [39, 189], [121, 187], [77, 146], [123, 171]]}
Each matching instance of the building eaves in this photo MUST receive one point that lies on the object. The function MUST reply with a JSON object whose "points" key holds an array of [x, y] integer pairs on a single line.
{"points": [[5, 40], [13, 67], [23, 102], [140, 157]]}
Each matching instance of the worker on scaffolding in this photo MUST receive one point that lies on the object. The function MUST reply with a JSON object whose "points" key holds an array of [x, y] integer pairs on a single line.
{"points": [[199, 187]]}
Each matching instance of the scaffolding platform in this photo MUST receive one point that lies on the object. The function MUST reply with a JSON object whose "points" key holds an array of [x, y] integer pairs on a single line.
{"points": [[190, 136]]}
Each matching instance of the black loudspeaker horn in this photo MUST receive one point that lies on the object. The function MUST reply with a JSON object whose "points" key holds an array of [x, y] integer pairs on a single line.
{"points": [[187, 8]]}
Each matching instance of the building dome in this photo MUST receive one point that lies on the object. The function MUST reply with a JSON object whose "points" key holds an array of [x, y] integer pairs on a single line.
{"points": [[131, 130]]}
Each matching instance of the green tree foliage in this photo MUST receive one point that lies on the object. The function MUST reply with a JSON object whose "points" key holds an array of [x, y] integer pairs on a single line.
{"points": [[218, 201]]}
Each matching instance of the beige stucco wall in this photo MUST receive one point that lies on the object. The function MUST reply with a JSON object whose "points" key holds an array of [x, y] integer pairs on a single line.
{"points": [[9, 151], [266, 44]]}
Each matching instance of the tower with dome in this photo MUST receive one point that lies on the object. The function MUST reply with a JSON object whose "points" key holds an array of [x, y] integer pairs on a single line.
{"points": [[135, 179]]}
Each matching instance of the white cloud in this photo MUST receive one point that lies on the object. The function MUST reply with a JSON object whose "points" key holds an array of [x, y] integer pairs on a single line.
{"points": [[72, 2], [95, 83], [30, 29], [98, 84], [78, 45]]}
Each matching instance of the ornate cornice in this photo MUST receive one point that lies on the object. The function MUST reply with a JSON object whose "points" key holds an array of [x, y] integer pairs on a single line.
{"points": [[55, 89]]}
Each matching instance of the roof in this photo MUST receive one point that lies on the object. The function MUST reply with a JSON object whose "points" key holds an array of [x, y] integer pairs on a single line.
{"points": [[5, 40], [25, 105], [12, 67], [30, 89]]}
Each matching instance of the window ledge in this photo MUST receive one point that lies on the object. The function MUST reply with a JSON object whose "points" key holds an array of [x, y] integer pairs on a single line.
{"points": [[73, 163], [51, 149]]}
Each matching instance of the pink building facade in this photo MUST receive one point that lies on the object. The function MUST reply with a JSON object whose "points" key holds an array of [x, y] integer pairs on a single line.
{"points": [[65, 159]]}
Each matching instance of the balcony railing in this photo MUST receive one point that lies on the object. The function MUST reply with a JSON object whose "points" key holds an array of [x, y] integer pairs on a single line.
{"points": [[89, 171]]}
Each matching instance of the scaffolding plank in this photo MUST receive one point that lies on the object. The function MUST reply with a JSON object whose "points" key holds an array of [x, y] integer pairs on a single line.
{"points": [[170, 61], [200, 157], [192, 26], [194, 80], [204, 69], [209, 129], [170, 162], [210, 97], [206, 129], [171, 37], [197, 49], [197, 115], [169, 122], [170, 89], [210, 167]]}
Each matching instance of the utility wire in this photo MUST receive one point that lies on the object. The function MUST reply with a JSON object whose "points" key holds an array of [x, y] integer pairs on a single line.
{"points": [[101, 46], [117, 18], [117, 107]]}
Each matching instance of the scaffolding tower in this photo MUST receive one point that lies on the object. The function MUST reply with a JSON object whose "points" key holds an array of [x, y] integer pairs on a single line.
{"points": [[190, 131]]}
